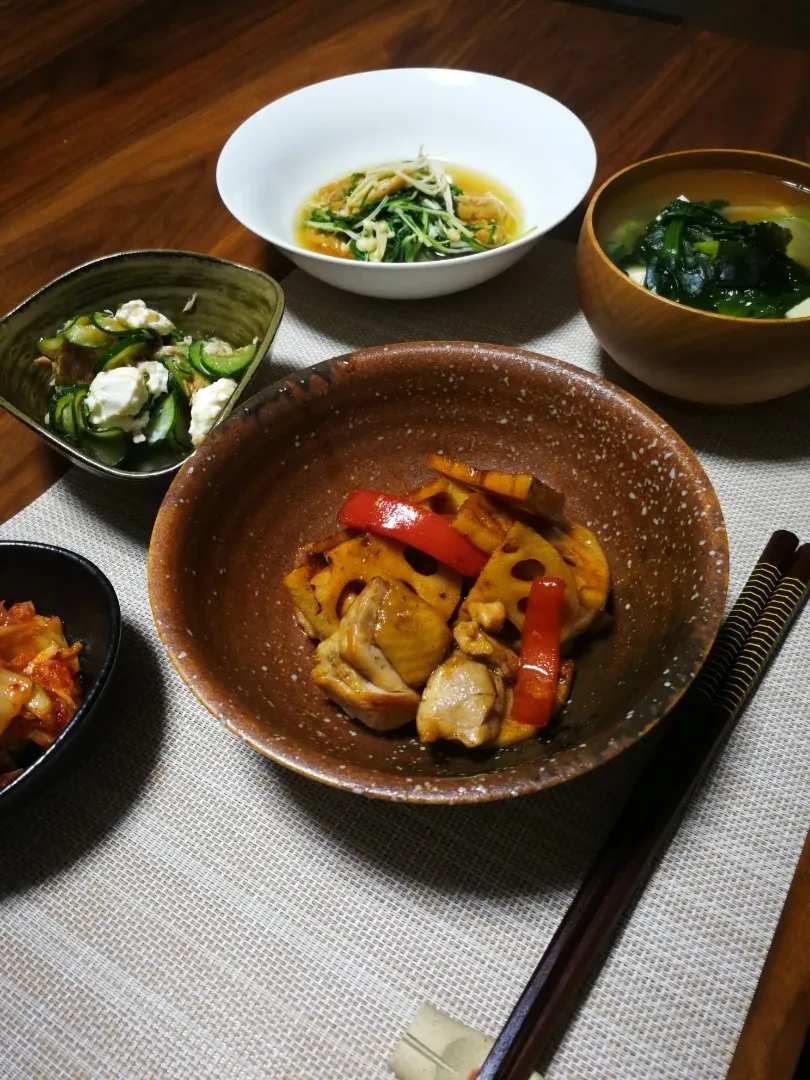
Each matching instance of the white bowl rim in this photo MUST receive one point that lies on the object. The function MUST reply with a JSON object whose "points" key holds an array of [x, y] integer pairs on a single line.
{"points": [[529, 237]]}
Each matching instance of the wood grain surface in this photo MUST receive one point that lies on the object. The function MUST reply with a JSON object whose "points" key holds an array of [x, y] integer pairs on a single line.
{"points": [[114, 112], [777, 1022]]}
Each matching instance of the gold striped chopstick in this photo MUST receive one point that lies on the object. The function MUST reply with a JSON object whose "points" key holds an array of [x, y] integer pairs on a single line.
{"points": [[749, 606], [772, 626]]}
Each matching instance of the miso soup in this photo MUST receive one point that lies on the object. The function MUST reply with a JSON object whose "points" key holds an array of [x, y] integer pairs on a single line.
{"points": [[727, 241]]}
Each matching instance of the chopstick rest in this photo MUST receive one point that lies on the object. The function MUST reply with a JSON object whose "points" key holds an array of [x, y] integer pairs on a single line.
{"points": [[437, 1047]]}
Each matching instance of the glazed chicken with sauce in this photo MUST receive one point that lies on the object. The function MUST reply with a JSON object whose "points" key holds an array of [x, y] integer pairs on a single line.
{"points": [[421, 605]]}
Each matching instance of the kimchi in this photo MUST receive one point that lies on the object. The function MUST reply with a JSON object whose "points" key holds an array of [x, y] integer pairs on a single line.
{"points": [[39, 685]]}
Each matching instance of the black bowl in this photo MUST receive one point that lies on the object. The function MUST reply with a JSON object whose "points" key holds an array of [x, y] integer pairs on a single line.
{"points": [[60, 582]]}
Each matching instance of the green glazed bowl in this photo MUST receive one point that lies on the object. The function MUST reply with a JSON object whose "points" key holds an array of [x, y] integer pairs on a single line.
{"points": [[233, 302]]}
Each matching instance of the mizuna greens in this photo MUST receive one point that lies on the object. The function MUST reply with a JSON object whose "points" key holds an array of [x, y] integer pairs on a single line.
{"points": [[692, 253], [404, 211]]}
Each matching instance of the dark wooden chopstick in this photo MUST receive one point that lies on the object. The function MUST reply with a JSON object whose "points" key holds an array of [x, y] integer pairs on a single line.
{"points": [[750, 635]]}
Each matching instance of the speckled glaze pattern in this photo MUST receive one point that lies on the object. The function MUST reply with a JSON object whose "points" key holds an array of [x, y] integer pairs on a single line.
{"points": [[275, 475], [233, 302]]}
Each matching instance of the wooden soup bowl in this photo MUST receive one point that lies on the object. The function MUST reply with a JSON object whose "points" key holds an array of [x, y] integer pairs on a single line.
{"points": [[681, 351]]}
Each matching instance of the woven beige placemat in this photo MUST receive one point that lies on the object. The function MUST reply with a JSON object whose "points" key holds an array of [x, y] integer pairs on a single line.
{"points": [[178, 907]]}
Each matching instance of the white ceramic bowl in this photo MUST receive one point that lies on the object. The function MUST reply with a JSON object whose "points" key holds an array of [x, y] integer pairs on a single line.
{"points": [[526, 140]]}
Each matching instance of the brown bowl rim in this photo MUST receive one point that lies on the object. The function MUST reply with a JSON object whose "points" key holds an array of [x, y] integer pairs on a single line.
{"points": [[291, 393], [588, 228]]}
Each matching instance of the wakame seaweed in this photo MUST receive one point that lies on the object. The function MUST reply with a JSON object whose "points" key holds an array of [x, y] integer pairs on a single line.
{"points": [[695, 255]]}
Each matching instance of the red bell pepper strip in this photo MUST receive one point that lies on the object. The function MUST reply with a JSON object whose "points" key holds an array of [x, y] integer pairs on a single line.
{"points": [[539, 669], [390, 515]]}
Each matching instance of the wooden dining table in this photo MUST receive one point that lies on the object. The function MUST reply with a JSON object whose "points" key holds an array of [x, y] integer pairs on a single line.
{"points": [[114, 112]]}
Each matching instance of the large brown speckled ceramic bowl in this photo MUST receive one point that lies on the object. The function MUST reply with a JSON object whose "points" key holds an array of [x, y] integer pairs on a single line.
{"points": [[275, 474]]}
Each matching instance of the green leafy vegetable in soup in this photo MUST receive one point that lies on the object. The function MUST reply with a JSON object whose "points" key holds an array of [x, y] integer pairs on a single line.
{"points": [[406, 211], [693, 253]]}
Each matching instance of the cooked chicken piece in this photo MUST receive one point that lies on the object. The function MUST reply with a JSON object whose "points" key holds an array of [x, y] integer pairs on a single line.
{"points": [[523, 556], [440, 495], [474, 641], [580, 549], [463, 700], [491, 616], [512, 732], [381, 710], [357, 638], [482, 522], [481, 208], [411, 633], [521, 490], [323, 596]]}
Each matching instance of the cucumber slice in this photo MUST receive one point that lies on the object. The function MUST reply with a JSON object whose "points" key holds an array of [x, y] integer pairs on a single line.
{"points": [[83, 333], [195, 357], [168, 422], [182, 420], [50, 347], [80, 418], [60, 394], [107, 322], [182, 364], [81, 319], [228, 365], [180, 354], [162, 419], [64, 421], [109, 445], [188, 379], [124, 353], [177, 376], [144, 333]]}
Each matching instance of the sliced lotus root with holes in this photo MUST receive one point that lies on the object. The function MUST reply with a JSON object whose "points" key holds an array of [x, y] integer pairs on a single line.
{"points": [[441, 496], [521, 490], [484, 524], [323, 597], [580, 549], [314, 555], [523, 556], [511, 732]]}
